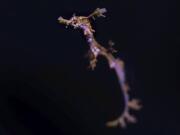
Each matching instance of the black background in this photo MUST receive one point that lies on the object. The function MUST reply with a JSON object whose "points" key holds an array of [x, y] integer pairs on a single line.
{"points": [[46, 88]]}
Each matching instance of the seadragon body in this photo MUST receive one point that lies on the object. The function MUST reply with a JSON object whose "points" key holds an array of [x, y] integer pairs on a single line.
{"points": [[84, 23]]}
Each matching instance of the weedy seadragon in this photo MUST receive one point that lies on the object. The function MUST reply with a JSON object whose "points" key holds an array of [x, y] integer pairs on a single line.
{"points": [[84, 23]]}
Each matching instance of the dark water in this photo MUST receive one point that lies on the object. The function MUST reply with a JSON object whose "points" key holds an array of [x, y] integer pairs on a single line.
{"points": [[46, 88]]}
